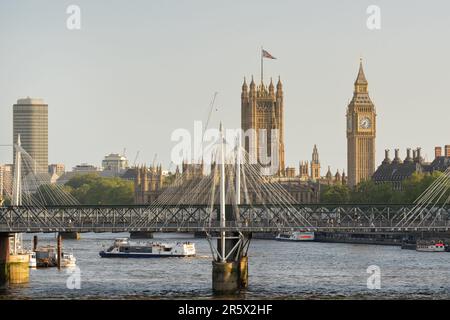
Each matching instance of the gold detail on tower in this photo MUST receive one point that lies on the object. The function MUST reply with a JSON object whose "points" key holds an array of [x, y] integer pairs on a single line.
{"points": [[361, 132]]}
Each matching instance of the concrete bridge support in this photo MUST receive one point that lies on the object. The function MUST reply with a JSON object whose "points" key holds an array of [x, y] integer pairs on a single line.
{"points": [[141, 235], [230, 274], [14, 268], [4, 259], [70, 235], [19, 268]]}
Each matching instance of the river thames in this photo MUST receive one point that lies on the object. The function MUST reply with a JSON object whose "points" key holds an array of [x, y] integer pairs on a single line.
{"points": [[277, 270]]}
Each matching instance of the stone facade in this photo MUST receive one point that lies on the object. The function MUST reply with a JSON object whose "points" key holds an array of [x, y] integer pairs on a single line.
{"points": [[361, 133], [262, 115]]}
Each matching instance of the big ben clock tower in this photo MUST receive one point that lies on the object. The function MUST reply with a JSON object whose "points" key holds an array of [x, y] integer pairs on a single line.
{"points": [[361, 133]]}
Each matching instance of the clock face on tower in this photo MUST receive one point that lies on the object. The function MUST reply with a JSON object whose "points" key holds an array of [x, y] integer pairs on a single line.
{"points": [[365, 123]]}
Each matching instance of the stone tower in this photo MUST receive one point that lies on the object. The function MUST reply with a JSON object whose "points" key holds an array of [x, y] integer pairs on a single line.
{"points": [[262, 122], [361, 133], [304, 171], [315, 165]]}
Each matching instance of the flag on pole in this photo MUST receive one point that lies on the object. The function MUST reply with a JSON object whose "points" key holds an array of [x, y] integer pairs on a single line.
{"points": [[267, 55]]}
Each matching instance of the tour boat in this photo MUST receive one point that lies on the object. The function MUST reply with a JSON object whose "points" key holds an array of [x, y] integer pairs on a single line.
{"points": [[68, 260], [296, 236], [431, 247], [122, 248]]}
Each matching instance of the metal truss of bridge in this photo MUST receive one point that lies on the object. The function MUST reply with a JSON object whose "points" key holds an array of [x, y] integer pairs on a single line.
{"points": [[197, 218], [256, 203]]}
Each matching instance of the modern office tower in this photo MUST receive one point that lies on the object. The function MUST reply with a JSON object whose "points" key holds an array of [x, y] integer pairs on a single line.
{"points": [[30, 120]]}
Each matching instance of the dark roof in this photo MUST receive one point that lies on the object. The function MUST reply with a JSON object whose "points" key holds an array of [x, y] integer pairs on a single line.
{"points": [[440, 164], [130, 174], [400, 171]]}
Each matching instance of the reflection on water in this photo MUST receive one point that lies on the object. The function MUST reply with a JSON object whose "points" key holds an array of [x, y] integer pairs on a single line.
{"points": [[279, 270]]}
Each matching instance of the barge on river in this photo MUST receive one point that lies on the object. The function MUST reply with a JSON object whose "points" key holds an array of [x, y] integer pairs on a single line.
{"points": [[122, 248]]}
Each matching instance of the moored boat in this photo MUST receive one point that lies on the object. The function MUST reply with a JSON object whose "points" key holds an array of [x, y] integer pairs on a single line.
{"points": [[296, 236], [68, 260], [46, 257], [432, 246], [122, 248]]}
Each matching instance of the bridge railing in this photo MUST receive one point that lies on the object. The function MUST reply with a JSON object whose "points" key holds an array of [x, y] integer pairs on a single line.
{"points": [[200, 218]]}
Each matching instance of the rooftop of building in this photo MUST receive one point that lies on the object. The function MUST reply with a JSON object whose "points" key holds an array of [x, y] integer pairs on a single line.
{"points": [[30, 101]]}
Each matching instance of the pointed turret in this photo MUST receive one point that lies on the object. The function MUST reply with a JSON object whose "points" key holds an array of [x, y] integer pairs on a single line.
{"points": [[252, 85], [271, 88], [244, 93], [361, 81], [338, 177], [315, 155], [279, 87], [344, 177], [329, 175]]}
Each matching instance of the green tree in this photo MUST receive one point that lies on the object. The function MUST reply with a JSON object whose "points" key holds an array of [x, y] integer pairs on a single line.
{"points": [[370, 192], [415, 185], [91, 189], [335, 194]]}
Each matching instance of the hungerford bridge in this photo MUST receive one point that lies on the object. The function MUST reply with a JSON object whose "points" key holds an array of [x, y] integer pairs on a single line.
{"points": [[252, 218], [226, 214]]}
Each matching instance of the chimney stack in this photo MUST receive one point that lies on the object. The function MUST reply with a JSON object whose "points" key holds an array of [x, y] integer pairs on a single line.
{"points": [[408, 155], [419, 156], [437, 152], [447, 150], [386, 160], [397, 157]]}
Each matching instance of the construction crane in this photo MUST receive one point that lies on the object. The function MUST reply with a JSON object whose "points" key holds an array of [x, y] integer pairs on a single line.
{"points": [[135, 158]]}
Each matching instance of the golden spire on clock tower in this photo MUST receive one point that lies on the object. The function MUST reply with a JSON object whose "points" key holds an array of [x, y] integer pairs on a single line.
{"points": [[361, 81], [361, 132]]}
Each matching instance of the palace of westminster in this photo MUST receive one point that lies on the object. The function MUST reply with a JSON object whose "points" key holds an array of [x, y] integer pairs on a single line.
{"points": [[262, 115], [262, 107]]}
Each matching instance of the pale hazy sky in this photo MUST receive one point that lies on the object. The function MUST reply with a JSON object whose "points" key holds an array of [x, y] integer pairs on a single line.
{"points": [[137, 70]]}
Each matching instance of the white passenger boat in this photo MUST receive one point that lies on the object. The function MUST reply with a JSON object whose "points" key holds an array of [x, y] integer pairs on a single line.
{"points": [[296, 236], [430, 246], [68, 260], [122, 248]]}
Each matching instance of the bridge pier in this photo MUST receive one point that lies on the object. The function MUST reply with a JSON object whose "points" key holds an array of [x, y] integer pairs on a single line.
{"points": [[230, 267], [141, 235], [14, 268], [70, 235], [231, 276], [59, 250], [4, 259], [243, 272]]}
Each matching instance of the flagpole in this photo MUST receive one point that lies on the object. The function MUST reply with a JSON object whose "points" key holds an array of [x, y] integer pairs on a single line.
{"points": [[262, 66]]}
